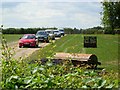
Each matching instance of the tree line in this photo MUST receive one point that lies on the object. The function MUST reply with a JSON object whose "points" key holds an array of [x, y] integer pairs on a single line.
{"points": [[94, 30]]}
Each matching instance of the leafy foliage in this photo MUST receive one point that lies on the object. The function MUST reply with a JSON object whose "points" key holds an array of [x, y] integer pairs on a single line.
{"points": [[111, 16]]}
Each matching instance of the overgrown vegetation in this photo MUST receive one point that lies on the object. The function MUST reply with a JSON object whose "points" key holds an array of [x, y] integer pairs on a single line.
{"points": [[21, 74]]}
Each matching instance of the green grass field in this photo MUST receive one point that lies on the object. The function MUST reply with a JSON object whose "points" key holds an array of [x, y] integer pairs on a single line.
{"points": [[12, 37], [106, 51]]}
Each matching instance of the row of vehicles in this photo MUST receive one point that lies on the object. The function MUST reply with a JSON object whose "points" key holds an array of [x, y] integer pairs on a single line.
{"points": [[42, 35]]}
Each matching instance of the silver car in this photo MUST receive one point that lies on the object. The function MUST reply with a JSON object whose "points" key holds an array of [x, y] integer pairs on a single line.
{"points": [[57, 33], [62, 32], [51, 34]]}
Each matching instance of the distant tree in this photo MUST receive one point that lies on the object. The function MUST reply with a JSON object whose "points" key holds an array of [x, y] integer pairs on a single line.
{"points": [[111, 15], [98, 28], [22, 30]]}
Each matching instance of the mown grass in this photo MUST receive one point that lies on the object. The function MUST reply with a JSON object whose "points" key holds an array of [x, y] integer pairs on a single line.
{"points": [[106, 51], [12, 37]]}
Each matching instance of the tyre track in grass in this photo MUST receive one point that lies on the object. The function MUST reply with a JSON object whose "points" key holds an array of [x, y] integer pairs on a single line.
{"points": [[83, 49], [67, 41]]}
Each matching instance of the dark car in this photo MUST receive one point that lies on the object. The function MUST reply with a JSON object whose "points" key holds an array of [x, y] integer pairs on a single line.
{"points": [[42, 36], [28, 40]]}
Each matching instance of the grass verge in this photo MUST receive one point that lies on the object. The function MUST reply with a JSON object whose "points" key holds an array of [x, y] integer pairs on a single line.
{"points": [[12, 37]]}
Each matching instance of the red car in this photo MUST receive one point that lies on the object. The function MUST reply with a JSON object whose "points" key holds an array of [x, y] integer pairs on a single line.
{"points": [[28, 40]]}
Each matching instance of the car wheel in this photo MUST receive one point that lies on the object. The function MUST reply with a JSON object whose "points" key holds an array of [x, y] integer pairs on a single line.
{"points": [[20, 46], [36, 46], [47, 41], [53, 38]]}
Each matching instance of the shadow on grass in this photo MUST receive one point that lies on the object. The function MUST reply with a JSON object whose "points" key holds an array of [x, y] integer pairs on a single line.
{"points": [[98, 68], [32, 47]]}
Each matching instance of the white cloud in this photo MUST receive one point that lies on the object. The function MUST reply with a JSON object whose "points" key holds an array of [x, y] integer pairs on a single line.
{"points": [[35, 14], [86, 19], [0, 13], [52, 0]]}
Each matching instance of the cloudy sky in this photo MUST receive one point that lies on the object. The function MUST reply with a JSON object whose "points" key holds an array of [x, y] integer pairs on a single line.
{"points": [[52, 13]]}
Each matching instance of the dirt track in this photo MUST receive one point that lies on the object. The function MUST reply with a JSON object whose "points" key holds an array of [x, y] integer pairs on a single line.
{"points": [[24, 52]]}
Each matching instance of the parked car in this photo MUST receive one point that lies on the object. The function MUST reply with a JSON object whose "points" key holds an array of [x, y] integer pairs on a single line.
{"points": [[42, 36], [57, 33], [62, 32], [28, 40], [51, 34]]}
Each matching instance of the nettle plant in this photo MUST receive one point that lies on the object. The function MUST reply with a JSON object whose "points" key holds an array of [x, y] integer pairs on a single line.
{"points": [[21, 74]]}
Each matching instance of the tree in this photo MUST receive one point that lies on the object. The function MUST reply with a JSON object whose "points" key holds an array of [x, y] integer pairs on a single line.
{"points": [[111, 15]]}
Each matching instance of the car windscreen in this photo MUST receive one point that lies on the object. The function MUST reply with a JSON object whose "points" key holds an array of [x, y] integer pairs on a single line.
{"points": [[56, 31], [41, 33], [61, 30], [48, 31], [28, 37]]}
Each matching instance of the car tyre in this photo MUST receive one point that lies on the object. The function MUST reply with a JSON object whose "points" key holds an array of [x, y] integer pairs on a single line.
{"points": [[36, 46], [47, 41], [53, 38]]}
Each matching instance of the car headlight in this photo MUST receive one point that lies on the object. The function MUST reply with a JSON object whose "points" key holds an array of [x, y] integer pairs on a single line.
{"points": [[32, 42], [20, 42], [36, 40], [36, 36]]}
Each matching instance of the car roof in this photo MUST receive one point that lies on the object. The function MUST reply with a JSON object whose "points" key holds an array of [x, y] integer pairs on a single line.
{"points": [[61, 29], [41, 31], [29, 34], [55, 30], [48, 30]]}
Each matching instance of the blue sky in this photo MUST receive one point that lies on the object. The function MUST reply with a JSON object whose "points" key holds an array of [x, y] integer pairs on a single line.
{"points": [[45, 13]]}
